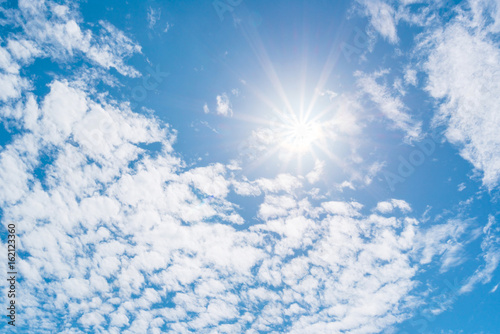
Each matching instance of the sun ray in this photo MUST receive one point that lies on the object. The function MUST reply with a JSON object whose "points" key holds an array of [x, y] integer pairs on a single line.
{"points": [[299, 123], [326, 72], [253, 38]]}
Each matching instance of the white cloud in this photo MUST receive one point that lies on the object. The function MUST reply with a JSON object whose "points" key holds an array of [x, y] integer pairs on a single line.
{"points": [[432, 243], [392, 107], [224, 107], [141, 235], [205, 109], [61, 37], [283, 182], [120, 239], [410, 77], [342, 208], [382, 18], [385, 15], [330, 93], [316, 174], [491, 255], [387, 207], [347, 120], [12, 86], [210, 180], [469, 87], [113, 39], [275, 206], [384, 207], [345, 184], [402, 205], [153, 17], [168, 26], [485, 14], [22, 49], [139, 227], [246, 188], [372, 171]]}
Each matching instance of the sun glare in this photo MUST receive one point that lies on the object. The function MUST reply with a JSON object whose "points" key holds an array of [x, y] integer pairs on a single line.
{"points": [[299, 136]]}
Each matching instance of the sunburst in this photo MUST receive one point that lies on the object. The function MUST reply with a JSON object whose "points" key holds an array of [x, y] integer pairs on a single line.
{"points": [[298, 136], [302, 126]]}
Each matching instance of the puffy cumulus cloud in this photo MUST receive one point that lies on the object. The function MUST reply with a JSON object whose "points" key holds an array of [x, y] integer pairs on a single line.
{"points": [[23, 49], [224, 106], [121, 240], [410, 77], [332, 269], [343, 185], [316, 174], [12, 83], [468, 84], [108, 222], [342, 208], [118, 239], [387, 207], [281, 183]]}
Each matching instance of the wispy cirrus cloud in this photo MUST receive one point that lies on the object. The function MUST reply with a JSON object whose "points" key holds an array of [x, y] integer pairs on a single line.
{"points": [[468, 86], [53, 30], [464, 85], [382, 18], [391, 106], [491, 256]]}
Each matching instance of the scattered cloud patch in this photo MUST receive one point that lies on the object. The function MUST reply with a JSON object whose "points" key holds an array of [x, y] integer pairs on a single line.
{"points": [[391, 106], [61, 37], [205, 109], [410, 77], [382, 18], [387, 207], [316, 174], [330, 93], [153, 17], [345, 184], [224, 106], [168, 26], [491, 256]]}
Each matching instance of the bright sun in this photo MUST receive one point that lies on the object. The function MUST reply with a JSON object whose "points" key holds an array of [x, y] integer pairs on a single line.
{"points": [[298, 136]]}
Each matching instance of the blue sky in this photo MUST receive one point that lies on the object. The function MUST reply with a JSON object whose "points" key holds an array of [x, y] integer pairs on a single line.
{"points": [[242, 166]]}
